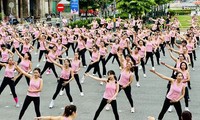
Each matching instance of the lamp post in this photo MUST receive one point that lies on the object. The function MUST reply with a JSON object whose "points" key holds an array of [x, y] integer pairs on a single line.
{"points": [[114, 17]]}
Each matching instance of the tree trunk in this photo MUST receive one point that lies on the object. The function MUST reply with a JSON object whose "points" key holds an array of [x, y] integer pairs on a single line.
{"points": [[21, 10], [2, 11], [49, 8]]}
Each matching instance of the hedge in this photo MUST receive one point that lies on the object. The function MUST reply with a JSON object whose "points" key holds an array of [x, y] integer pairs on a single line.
{"points": [[180, 12], [81, 23]]}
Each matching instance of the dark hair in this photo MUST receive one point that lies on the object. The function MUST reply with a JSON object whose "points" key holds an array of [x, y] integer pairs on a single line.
{"points": [[185, 64], [29, 55], [186, 115], [69, 109], [38, 69], [177, 74], [184, 41], [68, 62], [182, 55], [3, 45], [111, 72]]}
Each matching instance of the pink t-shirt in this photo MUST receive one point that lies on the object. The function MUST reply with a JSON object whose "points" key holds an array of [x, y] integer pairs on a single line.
{"points": [[25, 65], [114, 48], [149, 46], [34, 85], [190, 47], [42, 43], [81, 45], [102, 51], [9, 72], [16, 43], [95, 56], [52, 56], [175, 91], [65, 73], [89, 43], [75, 65], [26, 48], [110, 90], [4, 56], [142, 51], [124, 78]]}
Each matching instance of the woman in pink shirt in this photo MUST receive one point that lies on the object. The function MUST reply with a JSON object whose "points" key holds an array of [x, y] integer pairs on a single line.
{"points": [[125, 80], [67, 75], [82, 49], [94, 63], [25, 64], [34, 89], [5, 54], [175, 94], [9, 79], [52, 53], [186, 78], [103, 52], [110, 94]]}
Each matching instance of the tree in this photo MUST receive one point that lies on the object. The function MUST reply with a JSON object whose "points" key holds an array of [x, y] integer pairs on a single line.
{"points": [[135, 7]]}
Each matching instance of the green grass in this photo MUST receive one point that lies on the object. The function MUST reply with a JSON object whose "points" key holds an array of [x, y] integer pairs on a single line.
{"points": [[185, 20]]}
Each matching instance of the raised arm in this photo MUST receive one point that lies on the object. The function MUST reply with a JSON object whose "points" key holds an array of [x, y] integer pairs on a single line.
{"points": [[96, 78], [162, 76], [49, 118], [20, 56], [22, 71], [169, 66]]}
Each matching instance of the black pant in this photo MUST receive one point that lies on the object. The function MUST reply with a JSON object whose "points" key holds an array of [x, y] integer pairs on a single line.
{"points": [[165, 107], [13, 50], [27, 101], [49, 65], [143, 65], [103, 64], [172, 41], [10, 82], [96, 68], [162, 47], [191, 59], [19, 78], [103, 104], [127, 91], [136, 73], [67, 88], [115, 56], [194, 53], [41, 54], [71, 44], [81, 54], [76, 77], [157, 54], [186, 97], [149, 54]]}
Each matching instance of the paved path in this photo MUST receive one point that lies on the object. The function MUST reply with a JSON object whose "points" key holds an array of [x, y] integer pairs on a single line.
{"points": [[148, 99]]}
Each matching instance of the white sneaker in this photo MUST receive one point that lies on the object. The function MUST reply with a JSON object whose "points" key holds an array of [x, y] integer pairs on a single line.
{"points": [[104, 75], [15, 71], [140, 67], [82, 79], [51, 105], [10, 93], [107, 107], [38, 65], [145, 75], [193, 69], [61, 92], [44, 59], [101, 83], [132, 110], [170, 109], [84, 66], [153, 68], [137, 84], [71, 103], [82, 94], [17, 105], [187, 109], [94, 74], [120, 68]]}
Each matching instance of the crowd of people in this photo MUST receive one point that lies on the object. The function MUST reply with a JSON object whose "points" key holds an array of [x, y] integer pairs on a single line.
{"points": [[131, 46]]}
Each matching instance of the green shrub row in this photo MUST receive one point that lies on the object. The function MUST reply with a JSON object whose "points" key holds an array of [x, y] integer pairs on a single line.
{"points": [[0, 16], [180, 12]]}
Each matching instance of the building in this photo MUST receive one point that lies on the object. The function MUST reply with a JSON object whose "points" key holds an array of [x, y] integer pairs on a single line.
{"points": [[36, 8]]}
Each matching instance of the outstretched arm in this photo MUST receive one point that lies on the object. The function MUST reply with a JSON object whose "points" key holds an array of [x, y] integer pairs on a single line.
{"points": [[162, 76]]}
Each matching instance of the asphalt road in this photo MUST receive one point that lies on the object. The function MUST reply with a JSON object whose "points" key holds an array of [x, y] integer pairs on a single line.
{"points": [[148, 99]]}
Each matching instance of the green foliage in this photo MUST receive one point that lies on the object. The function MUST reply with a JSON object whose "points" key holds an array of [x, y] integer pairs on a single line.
{"points": [[0, 16], [123, 15], [161, 2], [81, 23], [135, 7], [180, 12]]}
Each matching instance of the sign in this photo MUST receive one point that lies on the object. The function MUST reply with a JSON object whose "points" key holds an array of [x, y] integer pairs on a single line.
{"points": [[74, 6], [11, 4], [60, 7]]}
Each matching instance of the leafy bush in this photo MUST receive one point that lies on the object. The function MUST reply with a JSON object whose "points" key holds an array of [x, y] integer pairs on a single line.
{"points": [[123, 15], [0, 16], [179, 12], [81, 23]]}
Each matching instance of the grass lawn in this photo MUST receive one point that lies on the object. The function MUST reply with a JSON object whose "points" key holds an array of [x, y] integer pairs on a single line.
{"points": [[185, 20]]}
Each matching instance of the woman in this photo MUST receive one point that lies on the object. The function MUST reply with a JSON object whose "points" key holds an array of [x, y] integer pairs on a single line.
{"points": [[67, 75], [103, 52], [69, 114], [110, 94], [9, 79], [176, 93], [25, 64], [186, 78], [33, 94], [125, 80], [5, 54], [52, 53], [94, 63]]}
